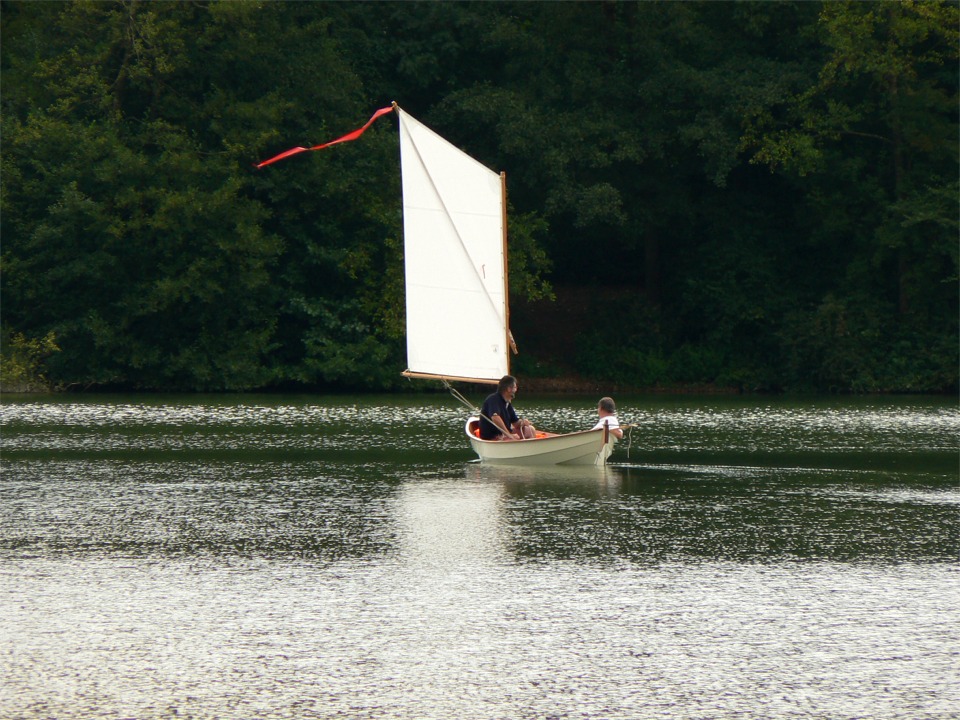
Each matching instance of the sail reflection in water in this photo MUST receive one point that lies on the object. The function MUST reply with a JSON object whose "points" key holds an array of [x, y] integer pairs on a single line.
{"points": [[273, 557], [442, 525]]}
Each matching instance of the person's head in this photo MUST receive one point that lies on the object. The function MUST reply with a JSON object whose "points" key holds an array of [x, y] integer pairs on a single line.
{"points": [[606, 406], [507, 386]]}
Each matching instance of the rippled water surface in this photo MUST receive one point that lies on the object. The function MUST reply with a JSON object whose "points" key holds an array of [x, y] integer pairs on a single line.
{"points": [[297, 557]]}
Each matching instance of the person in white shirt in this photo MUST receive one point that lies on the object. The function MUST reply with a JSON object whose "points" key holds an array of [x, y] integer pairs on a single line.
{"points": [[607, 410]]}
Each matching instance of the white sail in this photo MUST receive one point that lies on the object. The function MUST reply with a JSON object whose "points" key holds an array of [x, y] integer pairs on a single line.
{"points": [[456, 291]]}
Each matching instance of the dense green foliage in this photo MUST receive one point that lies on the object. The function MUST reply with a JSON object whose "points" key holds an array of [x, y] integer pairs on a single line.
{"points": [[21, 362], [754, 194]]}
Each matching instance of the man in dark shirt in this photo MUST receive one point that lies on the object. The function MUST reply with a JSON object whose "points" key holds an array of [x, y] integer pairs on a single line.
{"points": [[498, 419]]}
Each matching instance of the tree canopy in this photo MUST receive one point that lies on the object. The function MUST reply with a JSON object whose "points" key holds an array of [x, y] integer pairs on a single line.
{"points": [[760, 195]]}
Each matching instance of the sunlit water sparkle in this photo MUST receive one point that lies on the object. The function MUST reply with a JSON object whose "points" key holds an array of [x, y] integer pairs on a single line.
{"points": [[285, 558]]}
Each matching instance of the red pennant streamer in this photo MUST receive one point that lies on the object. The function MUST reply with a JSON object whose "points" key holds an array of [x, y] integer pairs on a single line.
{"points": [[349, 136]]}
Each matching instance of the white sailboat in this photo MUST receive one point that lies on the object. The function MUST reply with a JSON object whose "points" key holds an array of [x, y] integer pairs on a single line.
{"points": [[455, 256]]}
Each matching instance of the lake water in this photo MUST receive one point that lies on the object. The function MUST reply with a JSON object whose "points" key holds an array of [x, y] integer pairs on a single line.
{"points": [[304, 557]]}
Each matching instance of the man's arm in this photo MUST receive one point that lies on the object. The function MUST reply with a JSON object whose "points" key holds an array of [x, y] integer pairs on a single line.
{"points": [[498, 421]]}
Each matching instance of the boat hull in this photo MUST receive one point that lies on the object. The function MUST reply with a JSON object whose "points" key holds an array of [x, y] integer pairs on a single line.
{"points": [[590, 447]]}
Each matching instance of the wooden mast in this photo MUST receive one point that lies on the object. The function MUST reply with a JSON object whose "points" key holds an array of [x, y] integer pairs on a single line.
{"points": [[511, 344]]}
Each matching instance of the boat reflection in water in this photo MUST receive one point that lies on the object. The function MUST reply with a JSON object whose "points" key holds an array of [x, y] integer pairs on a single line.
{"points": [[520, 480]]}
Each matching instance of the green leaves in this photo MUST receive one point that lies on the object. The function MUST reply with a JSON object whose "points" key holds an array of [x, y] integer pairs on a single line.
{"points": [[21, 361], [140, 248], [751, 176]]}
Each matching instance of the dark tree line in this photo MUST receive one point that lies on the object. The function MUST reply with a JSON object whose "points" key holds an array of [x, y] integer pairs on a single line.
{"points": [[762, 195]]}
